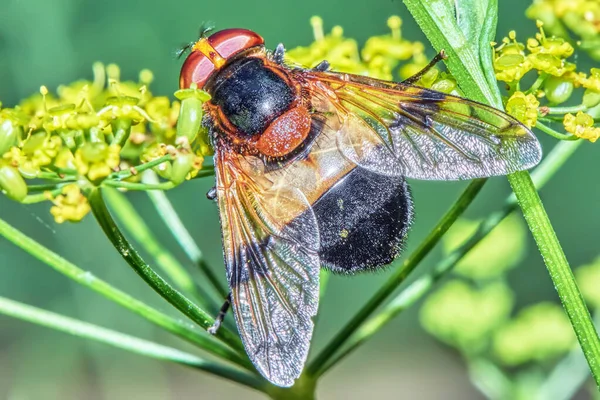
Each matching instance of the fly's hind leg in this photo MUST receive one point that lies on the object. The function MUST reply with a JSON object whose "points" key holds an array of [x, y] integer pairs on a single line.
{"points": [[222, 312], [439, 57]]}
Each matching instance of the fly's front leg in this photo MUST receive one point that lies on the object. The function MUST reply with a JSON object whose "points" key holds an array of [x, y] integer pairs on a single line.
{"points": [[222, 312], [279, 54], [439, 57]]}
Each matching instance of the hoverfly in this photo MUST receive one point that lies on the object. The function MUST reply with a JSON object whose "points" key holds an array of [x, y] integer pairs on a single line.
{"points": [[310, 173]]}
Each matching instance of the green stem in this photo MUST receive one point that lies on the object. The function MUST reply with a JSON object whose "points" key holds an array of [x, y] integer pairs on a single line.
{"points": [[125, 342], [138, 186], [538, 83], [87, 279], [154, 280], [565, 110], [316, 366], [438, 29], [127, 173], [416, 290], [135, 225], [559, 269], [555, 134], [180, 233], [39, 197]]}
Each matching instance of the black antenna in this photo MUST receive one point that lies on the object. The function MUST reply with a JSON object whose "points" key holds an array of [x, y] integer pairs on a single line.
{"points": [[205, 29]]}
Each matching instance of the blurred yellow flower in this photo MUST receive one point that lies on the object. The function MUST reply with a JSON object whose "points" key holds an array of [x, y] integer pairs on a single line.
{"points": [[582, 126], [538, 333], [465, 317]]}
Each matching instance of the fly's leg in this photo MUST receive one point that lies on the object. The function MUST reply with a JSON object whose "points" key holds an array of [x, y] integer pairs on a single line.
{"points": [[322, 66], [222, 312], [212, 193], [279, 54], [439, 57]]}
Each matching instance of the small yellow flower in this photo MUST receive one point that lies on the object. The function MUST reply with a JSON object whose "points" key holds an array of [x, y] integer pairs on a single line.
{"points": [[593, 81], [510, 63], [71, 205], [39, 150], [555, 46], [97, 160], [582, 126], [523, 107]]}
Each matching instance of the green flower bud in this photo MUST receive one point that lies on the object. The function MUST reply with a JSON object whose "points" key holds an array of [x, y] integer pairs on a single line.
{"points": [[558, 90], [591, 98], [12, 183], [190, 113], [9, 133], [181, 167]]}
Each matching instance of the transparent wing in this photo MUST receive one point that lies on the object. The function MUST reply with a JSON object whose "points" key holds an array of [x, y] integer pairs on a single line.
{"points": [[398, 129], [271, 243]]}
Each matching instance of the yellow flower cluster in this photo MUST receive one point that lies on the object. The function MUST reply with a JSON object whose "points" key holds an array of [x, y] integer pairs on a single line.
{"points": [[563, 17], [378, 58], [545, 54], [71, 205], [90, 131]]}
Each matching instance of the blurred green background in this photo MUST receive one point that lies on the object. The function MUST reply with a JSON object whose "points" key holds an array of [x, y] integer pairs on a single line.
{"points": [[49, 42]]}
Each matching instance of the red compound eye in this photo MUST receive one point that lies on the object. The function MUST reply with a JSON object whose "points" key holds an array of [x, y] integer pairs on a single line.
{"points": [[209, 55]]}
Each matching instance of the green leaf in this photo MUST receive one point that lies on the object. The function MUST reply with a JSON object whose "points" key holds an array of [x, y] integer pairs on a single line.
{"points": [[464, 30], [125, 342]]}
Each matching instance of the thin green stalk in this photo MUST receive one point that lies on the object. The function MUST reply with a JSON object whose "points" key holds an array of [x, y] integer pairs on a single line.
{"points": [[87, 279], [316, 366], [437, 21], [139, 186], [180, 233], [559, 269], [39, 197], [127, 173], [141, 233], [565, 110], [155, 281], [555, 134], [416, 290], [125, 342]]}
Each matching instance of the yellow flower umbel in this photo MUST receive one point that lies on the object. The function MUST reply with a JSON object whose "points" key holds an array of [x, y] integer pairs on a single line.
{"points": [[378, 58], [71, 205], [581, 125]]}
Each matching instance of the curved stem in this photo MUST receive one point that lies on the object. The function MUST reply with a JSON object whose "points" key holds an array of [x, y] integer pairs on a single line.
{"points": [[554, 133], [125, 342], [155, 281], [398, 277], [180, 233], [87, 279], [135, 225]]}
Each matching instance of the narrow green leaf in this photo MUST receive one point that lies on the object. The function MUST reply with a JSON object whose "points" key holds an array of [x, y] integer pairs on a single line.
{"points": [[438, 20], [141, 233], [154, 280], [171, 219], [123, 341], [89, 280]]}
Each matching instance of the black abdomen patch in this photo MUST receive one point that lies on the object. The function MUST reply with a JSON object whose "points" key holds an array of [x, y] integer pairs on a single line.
{"points": [[363, 221]]}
